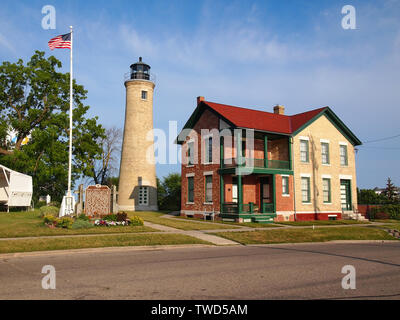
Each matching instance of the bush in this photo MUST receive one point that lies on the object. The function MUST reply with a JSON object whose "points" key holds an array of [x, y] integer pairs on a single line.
{"points": [[65, 222], [389, 211], [110, 217], [40, 204], [81, 224], [49, 210], [49, 219], [136, 221], [122, 216], [83, 217]]}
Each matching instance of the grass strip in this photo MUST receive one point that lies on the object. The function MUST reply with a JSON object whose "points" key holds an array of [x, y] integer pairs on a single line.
{"points": [[321, 223], [11, 246], [306, 235]]}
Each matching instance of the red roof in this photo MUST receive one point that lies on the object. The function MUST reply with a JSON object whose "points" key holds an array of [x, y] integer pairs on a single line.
{"points": [[261, 120]]}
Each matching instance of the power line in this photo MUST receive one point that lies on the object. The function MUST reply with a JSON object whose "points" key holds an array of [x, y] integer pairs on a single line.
{"points": [[382, 139]]}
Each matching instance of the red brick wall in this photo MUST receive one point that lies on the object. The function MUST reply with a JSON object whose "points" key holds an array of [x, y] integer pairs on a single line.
{"points": [[208, 120], [283, 203]]}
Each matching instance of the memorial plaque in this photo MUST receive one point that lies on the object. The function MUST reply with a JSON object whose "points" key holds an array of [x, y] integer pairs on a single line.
{"points": [[97, 200]]}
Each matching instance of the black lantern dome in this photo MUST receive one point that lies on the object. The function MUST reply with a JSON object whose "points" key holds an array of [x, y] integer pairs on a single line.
{"points": [[140, 70]]}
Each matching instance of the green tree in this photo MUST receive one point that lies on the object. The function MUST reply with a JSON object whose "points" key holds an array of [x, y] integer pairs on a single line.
{"points": [[169, 192], [34, 104], [391, 191]]}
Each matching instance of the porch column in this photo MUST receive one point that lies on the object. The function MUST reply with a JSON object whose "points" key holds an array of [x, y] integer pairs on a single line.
{"points": [[238, 133], [265, 151], [240, 193], [274, 191], [290, 141], [222, 191]]}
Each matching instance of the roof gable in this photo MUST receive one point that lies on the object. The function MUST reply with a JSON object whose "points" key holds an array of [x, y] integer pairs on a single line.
{"points": [[267, 121]]}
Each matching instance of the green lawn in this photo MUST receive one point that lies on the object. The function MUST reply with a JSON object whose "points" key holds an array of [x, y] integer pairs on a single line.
{"points": [[30, 245], [306, 235], [156, 217], [321, 223], [245, 224], [29, 224]]}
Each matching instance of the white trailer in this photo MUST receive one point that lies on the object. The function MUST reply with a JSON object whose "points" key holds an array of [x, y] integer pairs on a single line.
{"points": [[15, 188]]}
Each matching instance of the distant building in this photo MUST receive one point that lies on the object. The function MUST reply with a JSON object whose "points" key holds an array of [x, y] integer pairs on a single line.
{"points": [[302, 167]]}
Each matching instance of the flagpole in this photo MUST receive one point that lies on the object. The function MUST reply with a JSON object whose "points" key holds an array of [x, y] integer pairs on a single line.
{"points": [[70, 117]]}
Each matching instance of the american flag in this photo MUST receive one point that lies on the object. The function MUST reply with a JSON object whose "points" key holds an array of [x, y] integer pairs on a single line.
{"points": [[61, 42]]}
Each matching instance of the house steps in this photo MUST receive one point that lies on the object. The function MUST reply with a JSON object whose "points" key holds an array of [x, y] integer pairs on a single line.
{"points": [[263, 219], [351, 215]]}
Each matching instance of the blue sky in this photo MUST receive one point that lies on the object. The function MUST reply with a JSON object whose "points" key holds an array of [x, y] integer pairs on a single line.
{"points": [[247, 53]]}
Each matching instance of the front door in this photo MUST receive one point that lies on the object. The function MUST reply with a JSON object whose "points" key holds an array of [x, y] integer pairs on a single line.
{"points": [[345, 195], [265, 195]]}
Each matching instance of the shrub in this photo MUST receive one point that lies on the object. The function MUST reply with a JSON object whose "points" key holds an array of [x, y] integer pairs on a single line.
{"points": [[110, 217], [49, 210], [122, 216], [49, 219], [136, 221], [83, 217], [40, 204], [65, 222], [81, 224], [389, 211]]}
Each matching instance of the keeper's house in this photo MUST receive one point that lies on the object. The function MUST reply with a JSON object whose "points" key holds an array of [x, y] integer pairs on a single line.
{"points": [[270, 167]]}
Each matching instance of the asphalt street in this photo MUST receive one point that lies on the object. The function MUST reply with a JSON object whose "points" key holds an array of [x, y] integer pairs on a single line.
{"points": [[301, 271]]}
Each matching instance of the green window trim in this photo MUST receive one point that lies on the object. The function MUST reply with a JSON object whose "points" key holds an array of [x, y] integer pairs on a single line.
{"points": [[190, 189], [325, 153], [307, 189], [326, 188], [304, 154], [285, 185], [344, 158]]}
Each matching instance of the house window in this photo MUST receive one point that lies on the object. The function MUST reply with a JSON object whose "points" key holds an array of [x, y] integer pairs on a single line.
{"points": [[326, 189], [285, 186], [190, 189], [143, 196], [190, 153], [304, 156], [208, 188], [144, 95], [208, 150], [305, 190], [325, 152], [343, 155]]}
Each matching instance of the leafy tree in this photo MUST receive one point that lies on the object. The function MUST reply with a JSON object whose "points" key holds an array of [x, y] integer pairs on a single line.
{"points": [[369, 196], [169, 192], [34, 103]]}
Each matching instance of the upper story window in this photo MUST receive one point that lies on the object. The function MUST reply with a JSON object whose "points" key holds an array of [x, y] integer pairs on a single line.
{"points": [[208, 150], [144, 95], [190, 153], [304, 154], [325, 152], [343, 155]]}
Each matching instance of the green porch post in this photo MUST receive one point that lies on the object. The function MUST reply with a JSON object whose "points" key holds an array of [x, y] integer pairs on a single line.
{"points": [[221, 177], [240, 193], [265, 151], [290, 140], [274, 191]]}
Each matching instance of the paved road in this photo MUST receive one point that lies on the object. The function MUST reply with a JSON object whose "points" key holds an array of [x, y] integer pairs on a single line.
{"points": [[302, 271]]}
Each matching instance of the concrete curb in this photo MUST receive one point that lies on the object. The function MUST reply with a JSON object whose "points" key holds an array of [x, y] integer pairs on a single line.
{"points": [[323, 242], [103, 250]]}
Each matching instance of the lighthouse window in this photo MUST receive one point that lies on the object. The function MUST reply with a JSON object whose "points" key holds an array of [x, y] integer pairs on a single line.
{"points": [[144, 95], [144, 196]]}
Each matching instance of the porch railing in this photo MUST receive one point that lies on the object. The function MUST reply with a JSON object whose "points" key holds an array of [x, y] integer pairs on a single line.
{"points": [[256, 163], [233, 208]]}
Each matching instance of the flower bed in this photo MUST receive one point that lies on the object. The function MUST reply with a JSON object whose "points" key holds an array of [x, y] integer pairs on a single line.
{"points": [[82, 221]]}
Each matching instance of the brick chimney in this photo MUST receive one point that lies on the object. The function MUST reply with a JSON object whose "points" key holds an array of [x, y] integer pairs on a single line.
{"points": [[200, 99], [279, 109]]}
